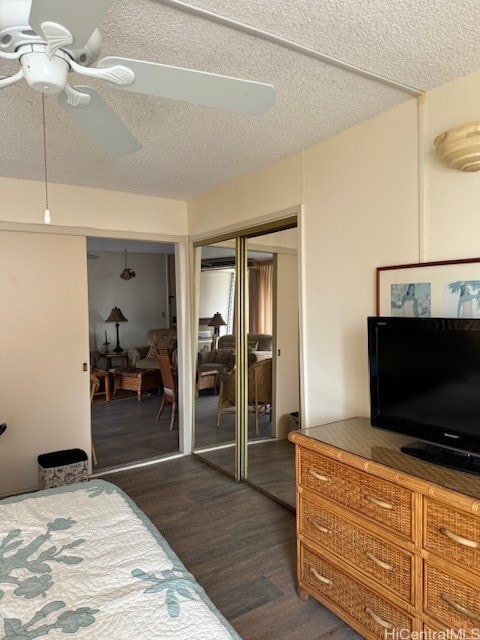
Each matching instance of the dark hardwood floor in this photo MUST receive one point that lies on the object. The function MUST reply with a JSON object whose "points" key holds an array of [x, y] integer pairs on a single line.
{"points": [[239, 544], [125, 431], [271, 466]]}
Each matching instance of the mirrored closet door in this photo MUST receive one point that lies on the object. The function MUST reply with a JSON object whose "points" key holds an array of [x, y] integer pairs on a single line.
{"points": [[273, 362], [247, 374], [215, 414]]}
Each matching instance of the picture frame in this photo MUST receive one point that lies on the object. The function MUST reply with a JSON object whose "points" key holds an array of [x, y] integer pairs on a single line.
{"points": [[444, 288]]}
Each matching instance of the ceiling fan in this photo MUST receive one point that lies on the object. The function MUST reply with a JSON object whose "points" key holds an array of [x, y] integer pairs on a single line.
{"points": [[51, 39]]}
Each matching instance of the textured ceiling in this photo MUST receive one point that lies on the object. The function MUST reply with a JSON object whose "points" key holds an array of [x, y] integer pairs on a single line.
{"points": [[190, 149]]}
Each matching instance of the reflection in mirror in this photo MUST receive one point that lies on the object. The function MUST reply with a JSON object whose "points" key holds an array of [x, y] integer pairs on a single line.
{"points": [[215, 374], [127, 387], [273, 364]]}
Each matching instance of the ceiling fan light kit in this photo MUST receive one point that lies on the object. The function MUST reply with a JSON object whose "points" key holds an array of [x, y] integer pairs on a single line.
{"points": [[459, 148], [51, 39]]}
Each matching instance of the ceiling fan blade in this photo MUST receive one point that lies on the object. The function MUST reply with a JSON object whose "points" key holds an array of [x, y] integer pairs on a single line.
{"points": [[199, 87], [80, 18], [101, 124]]}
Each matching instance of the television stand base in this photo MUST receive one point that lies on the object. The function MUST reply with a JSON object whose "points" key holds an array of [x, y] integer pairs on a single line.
{"points": [[444, 456]]}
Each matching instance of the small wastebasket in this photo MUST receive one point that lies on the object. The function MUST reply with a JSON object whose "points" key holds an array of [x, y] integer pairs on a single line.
{"points": [[294, 421], [59, 468]]}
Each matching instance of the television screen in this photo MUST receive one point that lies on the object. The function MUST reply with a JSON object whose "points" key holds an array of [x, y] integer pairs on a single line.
{"points": [[425, 378]]}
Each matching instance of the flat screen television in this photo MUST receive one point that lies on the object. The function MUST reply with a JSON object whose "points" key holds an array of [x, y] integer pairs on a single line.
{"points": [[425, 382]]}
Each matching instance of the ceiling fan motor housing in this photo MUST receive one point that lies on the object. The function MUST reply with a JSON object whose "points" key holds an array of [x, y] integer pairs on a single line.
{"points": [[44, 74]]}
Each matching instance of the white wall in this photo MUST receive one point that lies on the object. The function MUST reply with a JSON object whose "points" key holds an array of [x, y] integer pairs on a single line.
{"points": [[361, 211], [215, 286], [143, 300], [24, 201], [260, 194], [453, 211], [44, 343]]}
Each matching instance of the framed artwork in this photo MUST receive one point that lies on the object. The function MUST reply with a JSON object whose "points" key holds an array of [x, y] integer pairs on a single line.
{"points": [[445, 289]]}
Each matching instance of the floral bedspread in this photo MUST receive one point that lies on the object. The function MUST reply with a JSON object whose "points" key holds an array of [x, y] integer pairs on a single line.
{"points": [[84, 562]]}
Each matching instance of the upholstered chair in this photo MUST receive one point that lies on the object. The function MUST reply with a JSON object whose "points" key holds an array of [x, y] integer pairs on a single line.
{"points": [[145, 357]]}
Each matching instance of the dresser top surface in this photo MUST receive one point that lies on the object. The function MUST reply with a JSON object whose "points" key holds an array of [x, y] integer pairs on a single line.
{"points": [[358, 437]]}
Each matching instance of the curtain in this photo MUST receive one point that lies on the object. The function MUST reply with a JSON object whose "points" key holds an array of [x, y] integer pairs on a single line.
{"points": [[260, 287]]}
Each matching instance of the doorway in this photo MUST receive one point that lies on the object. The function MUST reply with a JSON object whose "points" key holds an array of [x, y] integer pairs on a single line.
{"points": [[132, 305], [242, 421]]}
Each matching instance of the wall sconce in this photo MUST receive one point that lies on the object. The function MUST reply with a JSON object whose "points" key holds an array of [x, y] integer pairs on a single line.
{"points": [[459, 148]]}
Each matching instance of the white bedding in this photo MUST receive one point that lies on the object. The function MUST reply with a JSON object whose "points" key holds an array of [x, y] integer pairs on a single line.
{"points": [[84, 562]]}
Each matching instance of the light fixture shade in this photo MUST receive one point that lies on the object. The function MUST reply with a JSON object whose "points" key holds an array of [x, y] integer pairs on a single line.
{"points": [[217, 321], [459, 148], [127, 273], [116, 316]]}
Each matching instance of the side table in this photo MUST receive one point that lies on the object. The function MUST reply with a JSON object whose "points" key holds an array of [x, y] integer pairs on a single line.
{"points": [[139, 380], [105, 376], [110, 357]]}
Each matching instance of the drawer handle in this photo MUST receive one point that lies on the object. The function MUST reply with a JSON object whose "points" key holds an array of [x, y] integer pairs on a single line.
{"points": [[460, 608], [319, 576], [317, 525], [464, 541], [380, 503], [383, 623], [319, 476], [381, 563]]}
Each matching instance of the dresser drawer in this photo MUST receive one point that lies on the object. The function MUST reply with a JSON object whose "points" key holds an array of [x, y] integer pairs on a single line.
{"points": [[372, 612], [433, 629], [383, 502], [452, 534], [382, 561], [450, 600]]}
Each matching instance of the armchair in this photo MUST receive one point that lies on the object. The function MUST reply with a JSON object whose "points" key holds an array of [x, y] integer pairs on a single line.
{"points": [[144, 357], [220, 360], [259, 345], [259, 390]]}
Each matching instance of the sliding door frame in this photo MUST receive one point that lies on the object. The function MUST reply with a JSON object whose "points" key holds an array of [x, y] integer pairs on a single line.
{"points": [[240, 237]]}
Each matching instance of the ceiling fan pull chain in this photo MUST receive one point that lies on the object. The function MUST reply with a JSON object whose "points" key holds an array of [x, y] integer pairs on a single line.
{"points": [[47, 218]]}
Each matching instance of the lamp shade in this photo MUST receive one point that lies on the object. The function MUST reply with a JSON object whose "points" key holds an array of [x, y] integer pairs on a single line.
{"points": [[116, 316], [217, 321]]}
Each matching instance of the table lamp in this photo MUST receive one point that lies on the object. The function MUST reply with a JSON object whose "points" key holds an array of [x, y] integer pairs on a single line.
{"points": [[116, 316], [216, 322]]}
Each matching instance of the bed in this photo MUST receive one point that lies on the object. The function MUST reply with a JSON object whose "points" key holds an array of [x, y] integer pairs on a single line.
{"points": [[83, 561]]}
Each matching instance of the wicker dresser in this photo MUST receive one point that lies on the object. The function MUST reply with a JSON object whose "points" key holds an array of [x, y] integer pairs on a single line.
{"points": [[390, 543]]}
